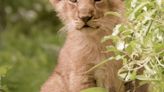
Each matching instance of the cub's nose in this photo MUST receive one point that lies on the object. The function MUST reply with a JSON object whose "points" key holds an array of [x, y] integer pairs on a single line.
{"points": [[86, 18]]}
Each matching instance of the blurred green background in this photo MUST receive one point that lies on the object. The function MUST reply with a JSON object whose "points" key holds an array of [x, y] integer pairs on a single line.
{"points": [[29, 44]]}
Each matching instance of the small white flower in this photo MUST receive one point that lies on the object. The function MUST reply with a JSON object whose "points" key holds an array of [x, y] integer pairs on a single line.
{"points": [[145, 9], [133, 3], [159, 2], [116, 30], [120, 45], [159, 37]]}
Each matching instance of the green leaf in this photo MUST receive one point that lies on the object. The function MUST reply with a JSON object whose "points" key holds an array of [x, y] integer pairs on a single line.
{"points": [[3, 70], [113, 14], [111, 48], [144, 78], [131, 47], [133, 14], [99, 64], [110, 37], [158, 47], [133, 75], [95, 89]]}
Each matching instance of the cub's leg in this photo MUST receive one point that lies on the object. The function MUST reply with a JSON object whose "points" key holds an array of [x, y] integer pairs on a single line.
{"points": [[72, 81], [70, 75], [55, 83], [79, 79]]}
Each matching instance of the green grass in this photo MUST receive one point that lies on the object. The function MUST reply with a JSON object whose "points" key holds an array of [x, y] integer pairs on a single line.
{"points": [[29, 59]]}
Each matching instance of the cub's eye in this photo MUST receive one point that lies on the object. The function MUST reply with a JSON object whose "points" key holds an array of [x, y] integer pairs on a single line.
{"points": [[97, 0], [73, 1]]}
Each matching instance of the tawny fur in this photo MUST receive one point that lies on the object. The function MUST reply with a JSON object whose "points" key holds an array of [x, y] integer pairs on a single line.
{"points": [[83, 48]]}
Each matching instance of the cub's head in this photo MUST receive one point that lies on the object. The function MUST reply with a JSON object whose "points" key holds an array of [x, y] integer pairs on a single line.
{"points": [[88, 14]]}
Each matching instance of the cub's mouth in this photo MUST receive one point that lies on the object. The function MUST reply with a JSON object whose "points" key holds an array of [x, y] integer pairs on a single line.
{"points": [[86, 26], [90, 25]]}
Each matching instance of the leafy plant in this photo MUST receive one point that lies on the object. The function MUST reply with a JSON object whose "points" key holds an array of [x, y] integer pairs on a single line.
{"points": [[139, 43]]}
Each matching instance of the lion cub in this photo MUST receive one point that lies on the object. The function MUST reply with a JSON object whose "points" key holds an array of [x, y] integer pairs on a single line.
{"points": [[86, 24]]}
